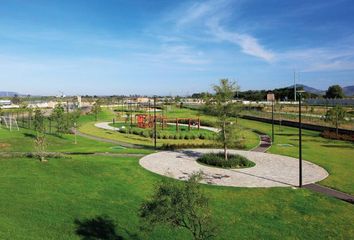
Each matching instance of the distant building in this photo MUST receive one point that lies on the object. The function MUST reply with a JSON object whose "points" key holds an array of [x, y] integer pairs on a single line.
{"points": [[142, 99], [5, 102]]}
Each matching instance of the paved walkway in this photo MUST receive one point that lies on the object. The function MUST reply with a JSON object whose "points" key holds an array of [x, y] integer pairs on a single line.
{"points": [[270, 171], [264, 143], [105, 125], [330, 192], [277, 170], [195, 126], [123, 144]]}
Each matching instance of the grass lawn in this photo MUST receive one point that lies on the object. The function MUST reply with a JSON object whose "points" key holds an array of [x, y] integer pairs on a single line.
{"points": [[335, 156], [46, 200], [88, 121], [23, 141], [43, 200]]}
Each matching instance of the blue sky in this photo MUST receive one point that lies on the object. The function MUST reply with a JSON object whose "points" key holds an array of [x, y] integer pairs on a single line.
{"points": [[173, 47]]}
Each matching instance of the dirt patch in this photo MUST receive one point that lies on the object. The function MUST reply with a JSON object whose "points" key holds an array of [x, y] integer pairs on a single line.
{"points": [[4, 145]]}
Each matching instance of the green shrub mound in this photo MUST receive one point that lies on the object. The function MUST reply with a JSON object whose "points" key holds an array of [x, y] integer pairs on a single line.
{"points": [[218, 160]]}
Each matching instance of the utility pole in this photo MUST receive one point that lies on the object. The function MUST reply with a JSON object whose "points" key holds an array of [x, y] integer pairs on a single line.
{"points": [[155, 136], [273, 120], [300, 140], [294, 86], [75, 133]]}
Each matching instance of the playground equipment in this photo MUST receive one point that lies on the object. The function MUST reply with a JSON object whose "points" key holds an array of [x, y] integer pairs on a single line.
{"points": [[9, 122], [147, 121]]}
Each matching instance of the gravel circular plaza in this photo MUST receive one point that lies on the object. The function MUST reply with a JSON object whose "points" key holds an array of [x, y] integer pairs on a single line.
{"points": [[271, 170]]}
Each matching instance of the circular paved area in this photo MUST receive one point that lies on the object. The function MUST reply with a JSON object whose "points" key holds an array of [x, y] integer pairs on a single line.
{"points": [[270, 171]]}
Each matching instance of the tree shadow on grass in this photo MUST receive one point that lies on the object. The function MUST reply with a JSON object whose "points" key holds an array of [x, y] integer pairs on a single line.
{"points": [[29, 135], [100, 227], [338, 146]]}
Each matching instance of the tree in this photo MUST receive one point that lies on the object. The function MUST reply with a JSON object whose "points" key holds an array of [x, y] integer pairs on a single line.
{"points": [[334, 91], [96, 109], [179, 205], [336, 116], [16, 99], [38, 121], [58, 117], [41, 146], [222, 106]]}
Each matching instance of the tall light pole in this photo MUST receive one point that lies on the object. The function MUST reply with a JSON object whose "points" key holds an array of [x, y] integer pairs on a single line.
{"points": [[294, 86], [155, 122], [273, 120], [300, 139], [75, 129], [271, 97]]}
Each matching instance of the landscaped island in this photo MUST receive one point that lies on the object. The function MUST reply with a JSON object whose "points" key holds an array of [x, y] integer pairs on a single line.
{"points": [[218, 160]]}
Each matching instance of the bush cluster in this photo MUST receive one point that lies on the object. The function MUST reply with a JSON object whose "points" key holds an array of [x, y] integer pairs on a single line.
{"points": [[167, 135], [333, 135], [174, 146], [218, 160]]}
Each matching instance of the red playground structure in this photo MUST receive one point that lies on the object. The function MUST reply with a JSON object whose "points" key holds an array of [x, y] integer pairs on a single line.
{"points": [[147, 121]]}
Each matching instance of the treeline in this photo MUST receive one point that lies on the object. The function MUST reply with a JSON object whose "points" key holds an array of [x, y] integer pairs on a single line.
{"points": [[283, 94]]}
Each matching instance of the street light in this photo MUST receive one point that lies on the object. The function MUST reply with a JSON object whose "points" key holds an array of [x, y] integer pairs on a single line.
{"points": [[300, 92], [271, 97], [155, 135]]}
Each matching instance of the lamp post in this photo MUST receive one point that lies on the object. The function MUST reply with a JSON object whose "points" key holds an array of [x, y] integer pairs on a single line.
{"points": [[273, 120], [155, 122], [300, 139], [271, 97], [75, 129]]}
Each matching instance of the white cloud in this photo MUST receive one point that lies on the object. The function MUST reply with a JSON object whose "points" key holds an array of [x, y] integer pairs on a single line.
{"points": [[181, 54], [320, 59], [207, 15], [248, 43]]}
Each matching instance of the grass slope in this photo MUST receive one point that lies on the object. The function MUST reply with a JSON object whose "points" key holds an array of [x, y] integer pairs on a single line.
{"points": [[335, 156], [88, 121], [43, 200], [23, 141]]}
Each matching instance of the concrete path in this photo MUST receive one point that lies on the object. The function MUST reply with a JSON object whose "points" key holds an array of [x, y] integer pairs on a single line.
{"points": [[264, 143], [270, 171], [105, 125], [123, 144], [330, 192], [201, 127]]}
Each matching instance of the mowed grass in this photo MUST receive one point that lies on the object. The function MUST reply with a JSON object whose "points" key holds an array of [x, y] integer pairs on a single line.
{"points": [[87, 126], [335, 156], [23, 141], [43, 200]]}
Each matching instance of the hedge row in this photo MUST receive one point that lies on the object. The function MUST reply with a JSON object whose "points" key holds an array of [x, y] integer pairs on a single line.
{"points": [[333, 135], [166, 135]]}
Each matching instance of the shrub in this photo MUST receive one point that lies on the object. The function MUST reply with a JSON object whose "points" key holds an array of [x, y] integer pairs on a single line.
{"points": [[333, 135], [217, 160], [123, 130], [146, 134], [201, 136], [174, 146]]}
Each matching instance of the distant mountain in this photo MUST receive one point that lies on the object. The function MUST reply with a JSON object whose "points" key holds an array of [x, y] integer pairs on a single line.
{"points": [[309, 89], [348, 91], [8, 94]]}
